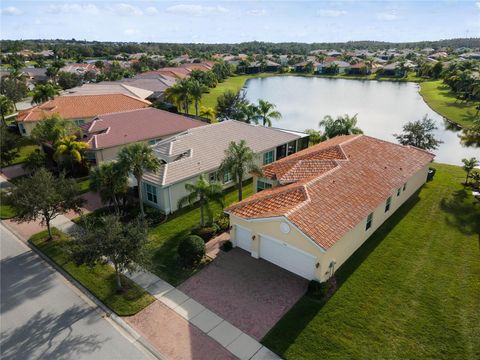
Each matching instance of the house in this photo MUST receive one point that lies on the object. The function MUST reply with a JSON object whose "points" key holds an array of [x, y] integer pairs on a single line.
{"points": [[155, 83], [332, 66], [393, 69], [108, 133], [81, 69], [108, 87], [80, 109], [259, 66], [200, 151], [359, 69], [314, 209]]}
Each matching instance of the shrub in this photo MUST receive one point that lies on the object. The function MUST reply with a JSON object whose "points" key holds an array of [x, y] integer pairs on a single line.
{"points": [[318, 290], [227, 246], [206, 232], [223, 222], [191, 250], [153, 215]]}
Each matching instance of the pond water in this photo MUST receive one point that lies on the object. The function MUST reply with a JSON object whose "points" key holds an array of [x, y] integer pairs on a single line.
{"points": [[383, 107]]}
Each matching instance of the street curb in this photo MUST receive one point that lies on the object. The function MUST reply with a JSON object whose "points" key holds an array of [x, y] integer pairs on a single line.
{"points": [[99, 305]]}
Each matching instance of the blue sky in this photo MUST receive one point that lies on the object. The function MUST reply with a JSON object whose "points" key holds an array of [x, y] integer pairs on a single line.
{"points": [[237, 21]]}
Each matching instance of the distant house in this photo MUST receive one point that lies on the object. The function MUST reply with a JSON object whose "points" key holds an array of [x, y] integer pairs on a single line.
{"points": [[81, 69], [359, 69], [155, 83], [79, 109], [314, 209], [108, 87], [200, 150], [332, 66], [393, 69], [258, 66], [108, 133]]}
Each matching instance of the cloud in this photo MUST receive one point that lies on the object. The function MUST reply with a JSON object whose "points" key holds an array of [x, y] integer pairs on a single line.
{"points": [[331, 13], [196, 10], [10, 10], [127, 10], [478, 4], [131, 32], [257, 12], [151, 11], [387, 16], [73, 9]]}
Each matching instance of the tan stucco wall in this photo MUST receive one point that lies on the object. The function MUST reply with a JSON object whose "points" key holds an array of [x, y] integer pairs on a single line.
{"points": [[344, 247], [29, 125]]}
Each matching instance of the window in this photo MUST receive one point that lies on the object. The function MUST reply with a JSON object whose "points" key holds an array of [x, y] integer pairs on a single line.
{"points": [[387, 205], [22, 128], [399, 191], [262, 185], [292, 148], [369, 221], [79, 122], [268, 157], [212, 177], [303, 143], [153, 141], [151, 193], [404, 186], [281, 151], [227, 177]]}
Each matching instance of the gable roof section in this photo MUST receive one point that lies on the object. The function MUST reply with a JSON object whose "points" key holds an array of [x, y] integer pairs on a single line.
{"points": [[83, 106], [136, 125], [340, 192], [106, 88]]}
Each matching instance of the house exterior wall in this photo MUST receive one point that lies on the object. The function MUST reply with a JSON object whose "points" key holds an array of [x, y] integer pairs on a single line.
{"points": [[29, 125], [344, 247]]}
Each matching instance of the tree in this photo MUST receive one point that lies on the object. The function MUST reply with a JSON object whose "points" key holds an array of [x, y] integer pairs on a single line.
{"points": [[43, 196], [468, 166], [6, 107], [208, 112], [14, 89], [67, 149], [203, 192], [110, 181], [250, 113], [179, 94], [238, 162], [43, 93], [52, 129], [267, 112], [121, 244], [67, 80], [314, 136], [8, 145], [54, 69], [420, 134], [197, 89], [138, 158], [230, 104], [342, 125]]}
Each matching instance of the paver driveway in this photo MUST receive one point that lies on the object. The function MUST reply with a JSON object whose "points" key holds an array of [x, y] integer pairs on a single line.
{"points": [[252, 294]]}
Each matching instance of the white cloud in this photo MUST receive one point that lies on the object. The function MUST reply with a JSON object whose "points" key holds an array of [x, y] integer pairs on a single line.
{"points": [[388, 16], [478, 4], [74, 9], [10, 10], [257, 12], [331, 13], [196, 10], [127, 10], [151, 10], [131, 32]]}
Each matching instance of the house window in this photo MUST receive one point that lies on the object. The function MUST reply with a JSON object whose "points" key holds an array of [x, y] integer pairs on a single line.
{"points": [[281, 151], [387, 205], [212, 177], [151, 193], [292, 148], [268, 157], [398, 191], [404, 186], [79, 122], [262, 185], [369, 221], [303, 143], [153, 141], [227, 177], [21, 127]]}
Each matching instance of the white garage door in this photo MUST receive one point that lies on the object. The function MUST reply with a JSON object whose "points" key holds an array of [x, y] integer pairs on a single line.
{"points": [[243, 238], [287, 257]]}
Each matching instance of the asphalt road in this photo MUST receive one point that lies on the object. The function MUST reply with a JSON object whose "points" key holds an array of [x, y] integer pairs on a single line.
{"points": [[42, 316]]}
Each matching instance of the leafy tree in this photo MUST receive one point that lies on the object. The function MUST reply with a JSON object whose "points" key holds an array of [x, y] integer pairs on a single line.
{"points": [[238, 162], [138, 158], [110, 181], [34, 161], [8, 145], [6, 107], [420, 134], [191, 250], [14, 89], [43, 196], [43, 93], [52, 129], [468, 166], [203, 192], [99, 64], [54, 69], [67, 80], [315, 136], [230, 105], [197, 89], [208, 112], [267, 112], [342, 125], [121, 244], [68, 149], [471, 136]]}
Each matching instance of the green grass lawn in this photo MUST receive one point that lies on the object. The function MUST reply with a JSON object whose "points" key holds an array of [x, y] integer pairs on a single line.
{"points": [[441, 99], [100, 280], [26, 147], [165, 238], [412, 291], [83, 184], [7, 211]]}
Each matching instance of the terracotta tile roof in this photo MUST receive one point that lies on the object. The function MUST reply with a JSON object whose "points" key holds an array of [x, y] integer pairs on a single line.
{"points": [[342, 193], [136, 125], [82, 107]]}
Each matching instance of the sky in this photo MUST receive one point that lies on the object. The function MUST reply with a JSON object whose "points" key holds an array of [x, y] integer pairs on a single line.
{"points": [[238, 21]]}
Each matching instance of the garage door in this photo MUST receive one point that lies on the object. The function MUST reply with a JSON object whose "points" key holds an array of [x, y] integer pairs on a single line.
{"points": [[287, 257], [243, 238]]}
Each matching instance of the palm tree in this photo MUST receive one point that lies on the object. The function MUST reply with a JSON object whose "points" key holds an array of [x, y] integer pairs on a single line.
{"points": [[6, 107], [342, 125], [197, 89], [179, 94], [468, 166], [138, 158], [110, 181], [239, 161], [68, 148], [250, 113], [203, 192], [43, 93], [54, 69], [208, 112], [267, 112]]}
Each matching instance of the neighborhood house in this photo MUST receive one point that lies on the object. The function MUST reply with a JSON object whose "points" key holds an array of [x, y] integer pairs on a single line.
{"points": [[201, 150], [313, 209]]}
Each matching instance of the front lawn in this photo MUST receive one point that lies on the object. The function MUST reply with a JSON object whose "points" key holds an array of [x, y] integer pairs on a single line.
{"points": [[100, 280], [83, 184], [412, 291], [165, 238], [25, 148], [442, 100], [7, 211]]}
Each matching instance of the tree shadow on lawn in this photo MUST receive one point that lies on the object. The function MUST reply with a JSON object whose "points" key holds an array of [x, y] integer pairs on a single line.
{"points": [[462, 211], [307, 307]]}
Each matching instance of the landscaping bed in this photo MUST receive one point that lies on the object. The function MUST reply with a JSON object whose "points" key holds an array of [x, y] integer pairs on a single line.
{"points": [[100, 280], [410, 292]]}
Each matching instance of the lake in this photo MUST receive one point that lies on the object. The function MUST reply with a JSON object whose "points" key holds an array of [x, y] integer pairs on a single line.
{"points": [[383, 107]]}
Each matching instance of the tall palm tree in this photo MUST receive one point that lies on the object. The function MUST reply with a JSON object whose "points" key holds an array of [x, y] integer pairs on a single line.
{"points": [[250, 113], [342, 125], [468, 166], [6, 107], [43, 93], [138, 158], [208, 112], [203, 192], [197, 89], [238, 162], [179, 94], [267, 112], [110, 181], [70, 149]]}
